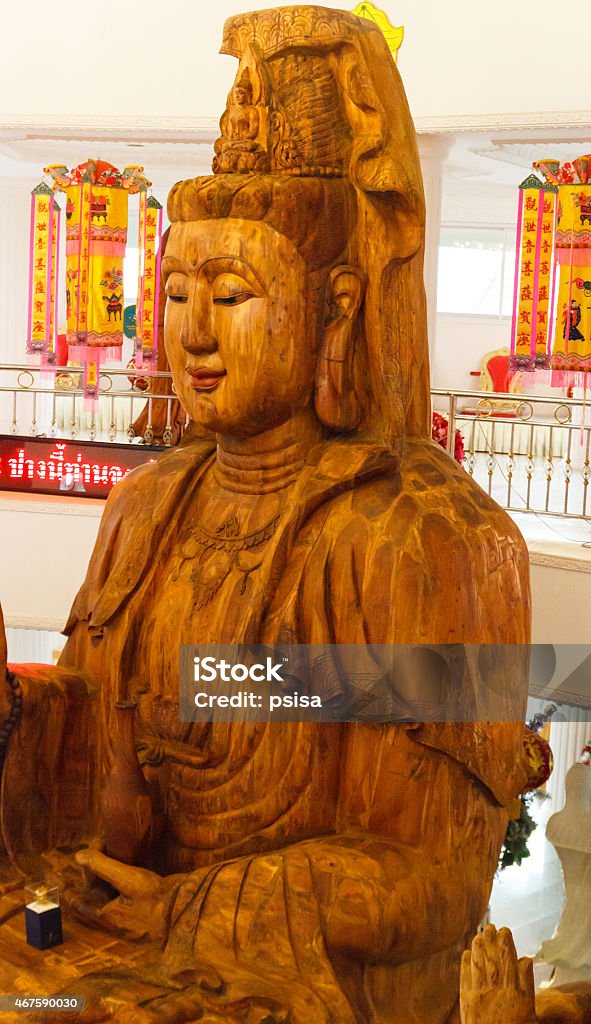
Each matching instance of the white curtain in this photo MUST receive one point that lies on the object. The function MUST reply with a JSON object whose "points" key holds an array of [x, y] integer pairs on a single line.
{"points": [[567, 739]]}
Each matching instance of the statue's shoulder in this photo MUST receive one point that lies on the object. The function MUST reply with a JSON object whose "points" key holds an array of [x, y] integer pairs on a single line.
{"points": [[427, 512], [135, 517], [424, 543], [436, 481], [436, 489], [428, 492], [145, 483]]}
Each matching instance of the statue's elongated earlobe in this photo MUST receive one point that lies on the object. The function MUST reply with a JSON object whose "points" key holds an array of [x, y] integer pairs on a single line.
{"points": [[338, 403]]}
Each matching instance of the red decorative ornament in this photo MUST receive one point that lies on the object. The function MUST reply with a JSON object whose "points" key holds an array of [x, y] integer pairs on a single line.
{"points": [[439, 433], [540, 761], [137, 383]]}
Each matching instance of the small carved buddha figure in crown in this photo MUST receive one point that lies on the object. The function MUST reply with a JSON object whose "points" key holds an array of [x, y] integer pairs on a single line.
{"points": [[299, 872], [238, 149], [243, 118]]}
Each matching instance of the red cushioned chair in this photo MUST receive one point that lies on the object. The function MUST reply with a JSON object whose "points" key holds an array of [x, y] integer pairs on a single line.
{"points": [[495, 375]]}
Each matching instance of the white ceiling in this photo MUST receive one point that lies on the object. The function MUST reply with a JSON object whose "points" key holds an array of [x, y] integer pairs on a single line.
{"points": [[479, 178], [24, 154], [482, 171]]}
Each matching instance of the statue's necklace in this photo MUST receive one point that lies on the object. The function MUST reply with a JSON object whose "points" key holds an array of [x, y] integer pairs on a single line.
{"points": [[229, 550]]}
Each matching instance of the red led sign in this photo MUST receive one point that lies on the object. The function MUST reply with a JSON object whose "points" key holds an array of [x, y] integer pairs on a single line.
{"points": [[86, 469]]}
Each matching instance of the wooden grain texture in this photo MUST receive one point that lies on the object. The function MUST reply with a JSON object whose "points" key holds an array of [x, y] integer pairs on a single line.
{"points": [[126, 805], [298, 873]]}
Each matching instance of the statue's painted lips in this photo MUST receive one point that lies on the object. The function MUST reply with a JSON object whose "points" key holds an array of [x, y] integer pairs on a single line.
{"points": [[204, 379]]}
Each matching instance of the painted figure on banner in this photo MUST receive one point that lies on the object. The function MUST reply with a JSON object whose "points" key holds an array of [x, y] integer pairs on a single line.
{"points": [[282, 872], [571, 318]]}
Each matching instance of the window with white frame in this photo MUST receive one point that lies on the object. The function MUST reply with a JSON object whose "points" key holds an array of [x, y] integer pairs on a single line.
{"points": [[476, 270]]}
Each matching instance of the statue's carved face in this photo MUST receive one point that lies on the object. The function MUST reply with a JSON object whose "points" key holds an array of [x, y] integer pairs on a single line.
{"points": [[240, 96], [239, 332]]}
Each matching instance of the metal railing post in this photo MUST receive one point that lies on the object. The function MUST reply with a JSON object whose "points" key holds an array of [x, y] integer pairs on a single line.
{"points": [[451, 424]]}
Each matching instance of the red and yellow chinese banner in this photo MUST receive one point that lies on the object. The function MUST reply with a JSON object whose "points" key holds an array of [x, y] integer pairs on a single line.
{"points": [[44, 250], [566, 249], [572, 339], [96, 238], [533, 276], [149, 239]]}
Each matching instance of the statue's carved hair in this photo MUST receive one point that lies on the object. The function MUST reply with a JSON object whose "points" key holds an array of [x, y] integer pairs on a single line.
{"points": [[319, 216], [316, 214]]}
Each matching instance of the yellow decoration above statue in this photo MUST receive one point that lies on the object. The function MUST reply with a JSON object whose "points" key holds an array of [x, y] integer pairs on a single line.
{"points": [[392, 34]]}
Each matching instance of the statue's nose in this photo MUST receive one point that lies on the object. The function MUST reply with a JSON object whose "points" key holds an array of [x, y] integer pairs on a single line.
{"points": [[197, 330]]}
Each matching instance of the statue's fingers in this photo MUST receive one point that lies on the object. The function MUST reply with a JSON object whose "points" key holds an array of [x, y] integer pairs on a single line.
{"points": [[469, 993], [129, 881], [525, 975], [490, 956], [507, 958], [478, 962], [466, 972]]}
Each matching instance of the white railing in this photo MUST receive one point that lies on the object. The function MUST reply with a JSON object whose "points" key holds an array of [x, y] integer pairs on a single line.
{"points": [[132, 406], [531, 453]]}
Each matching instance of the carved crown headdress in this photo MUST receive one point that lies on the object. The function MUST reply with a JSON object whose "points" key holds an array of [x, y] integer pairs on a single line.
{"points": [[318, 107]]}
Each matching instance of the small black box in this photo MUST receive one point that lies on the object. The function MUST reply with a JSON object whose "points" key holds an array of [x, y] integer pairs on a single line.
{"points": [[44, 927]]}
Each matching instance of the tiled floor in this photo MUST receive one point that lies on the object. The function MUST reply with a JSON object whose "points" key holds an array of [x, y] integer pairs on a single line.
{"points": [[528, 899]]}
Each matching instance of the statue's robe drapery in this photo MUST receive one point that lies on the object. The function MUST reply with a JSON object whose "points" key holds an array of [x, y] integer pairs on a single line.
{"points": [[349, 859]]}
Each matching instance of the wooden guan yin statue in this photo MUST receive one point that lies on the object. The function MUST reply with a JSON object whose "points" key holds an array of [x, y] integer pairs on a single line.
{"points": [[296, 872]]}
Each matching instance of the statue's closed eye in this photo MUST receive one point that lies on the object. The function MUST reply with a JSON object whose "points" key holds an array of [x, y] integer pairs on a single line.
{"points": [[232, 300], [176, 287], [230, 290]]}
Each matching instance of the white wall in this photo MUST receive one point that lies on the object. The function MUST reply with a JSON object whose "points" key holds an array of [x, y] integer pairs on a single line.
{"points": [[39, 646], [45, 545], [461, 58], [561, 602], [457, 58], [461, 342], [15, 203]]}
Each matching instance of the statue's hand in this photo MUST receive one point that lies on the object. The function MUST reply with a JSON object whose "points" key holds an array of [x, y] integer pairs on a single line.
{"points": [[140, 910], [496, 987]]}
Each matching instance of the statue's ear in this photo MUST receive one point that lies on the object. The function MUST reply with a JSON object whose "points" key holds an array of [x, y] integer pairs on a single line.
{"points": [[337, 403]]}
